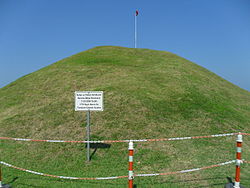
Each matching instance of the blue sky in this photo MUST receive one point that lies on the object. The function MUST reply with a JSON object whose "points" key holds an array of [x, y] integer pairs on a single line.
{"points": [[212, 33]]}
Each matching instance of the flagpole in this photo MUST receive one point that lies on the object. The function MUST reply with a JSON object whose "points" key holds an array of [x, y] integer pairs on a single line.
{"points": [[135, 29]]}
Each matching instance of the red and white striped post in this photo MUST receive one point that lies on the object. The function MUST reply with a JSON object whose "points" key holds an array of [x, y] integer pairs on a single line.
{"points": [[130, 164], [238, 160]]}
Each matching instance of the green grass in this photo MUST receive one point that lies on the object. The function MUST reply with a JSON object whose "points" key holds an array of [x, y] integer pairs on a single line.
{"points": [[147, 94]]}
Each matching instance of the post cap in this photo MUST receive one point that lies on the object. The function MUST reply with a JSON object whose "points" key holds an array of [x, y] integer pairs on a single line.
{"points": [[239, 138], [130, 145]]}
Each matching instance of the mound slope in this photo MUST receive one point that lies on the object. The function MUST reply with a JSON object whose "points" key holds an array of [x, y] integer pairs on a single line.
{"points": [[147, 93]]}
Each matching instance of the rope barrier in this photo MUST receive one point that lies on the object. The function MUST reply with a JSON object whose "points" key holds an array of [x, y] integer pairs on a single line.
{"points": [[116, 177], [185, 171], [245, 134], [118, 141], [61, 177], [131, 175]]}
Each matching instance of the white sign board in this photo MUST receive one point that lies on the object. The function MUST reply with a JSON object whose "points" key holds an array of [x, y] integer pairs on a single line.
{"points": [[88, 100]]}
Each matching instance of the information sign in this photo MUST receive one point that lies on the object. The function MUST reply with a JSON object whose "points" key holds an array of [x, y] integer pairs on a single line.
{"points": [[89, 101]]}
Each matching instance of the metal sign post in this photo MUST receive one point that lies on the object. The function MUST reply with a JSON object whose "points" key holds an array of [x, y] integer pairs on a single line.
{"points": [[88, 135], [88, 101]]}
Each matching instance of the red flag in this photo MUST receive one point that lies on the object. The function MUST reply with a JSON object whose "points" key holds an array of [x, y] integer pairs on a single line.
{"points": [[136, 12]]}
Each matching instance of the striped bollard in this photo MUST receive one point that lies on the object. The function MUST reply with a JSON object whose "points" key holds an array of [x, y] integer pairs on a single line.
{"points": [[130, 164], [238, 161]]}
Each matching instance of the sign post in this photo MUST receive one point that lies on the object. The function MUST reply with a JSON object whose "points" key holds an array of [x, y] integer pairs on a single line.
{"points": [[88, 101], [88, 136]]}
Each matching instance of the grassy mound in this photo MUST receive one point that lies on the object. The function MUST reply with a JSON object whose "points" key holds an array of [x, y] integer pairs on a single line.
{"points": [[147, 94]]}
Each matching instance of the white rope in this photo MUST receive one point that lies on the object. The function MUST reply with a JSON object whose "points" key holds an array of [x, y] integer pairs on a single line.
{"points": [[117, 177], [114, 141], [188, 170], [61, 177]]}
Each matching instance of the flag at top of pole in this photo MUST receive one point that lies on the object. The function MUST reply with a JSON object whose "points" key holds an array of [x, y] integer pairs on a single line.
{"points": [[136, 14]]}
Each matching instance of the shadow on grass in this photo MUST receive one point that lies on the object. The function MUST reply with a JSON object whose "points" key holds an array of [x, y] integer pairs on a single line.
{"points": [[89, 183], [96, 146], [66, 183], [13, 180], [179, 183]]}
